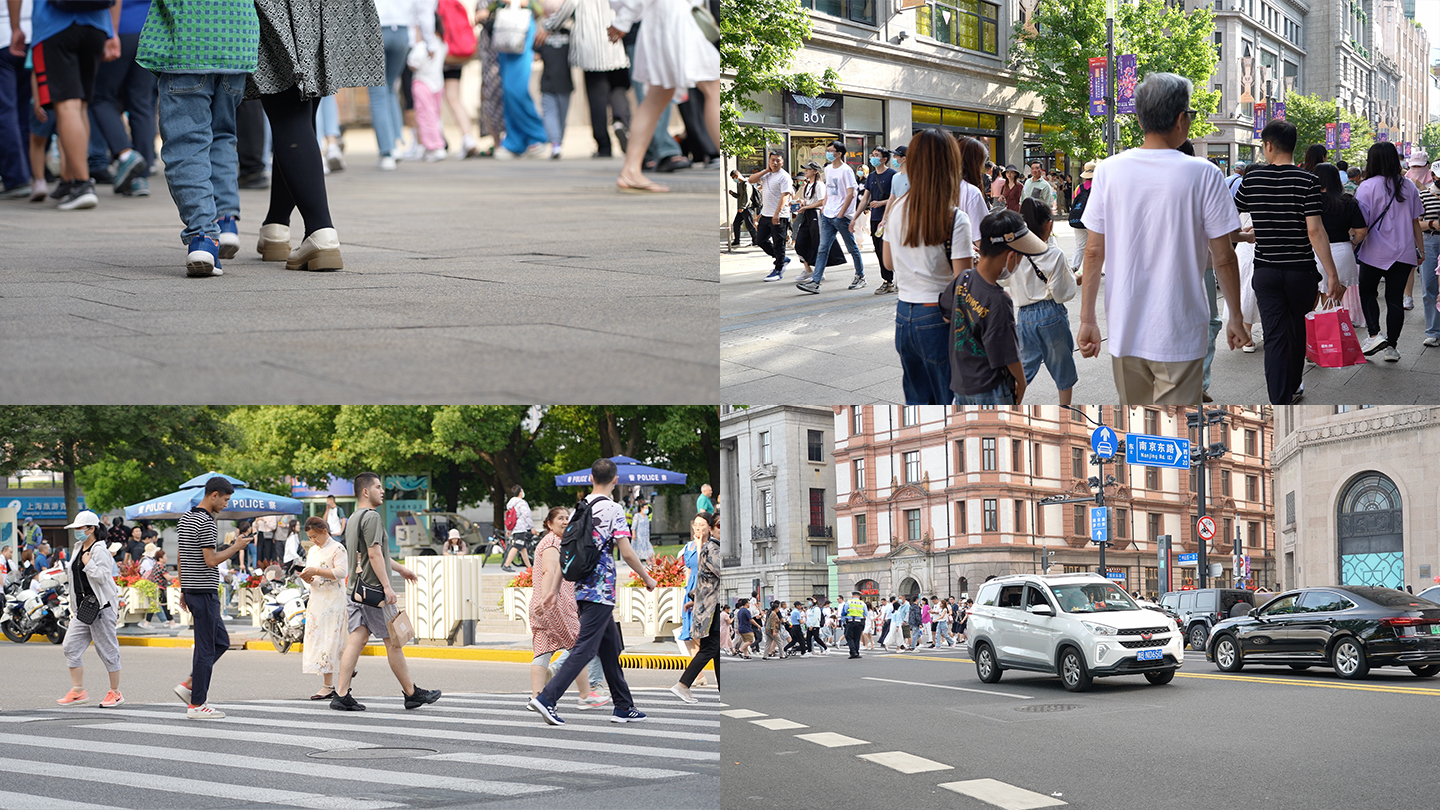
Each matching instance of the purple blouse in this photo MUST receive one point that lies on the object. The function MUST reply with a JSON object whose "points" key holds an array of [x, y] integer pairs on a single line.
{"points": [[1391, 238]]}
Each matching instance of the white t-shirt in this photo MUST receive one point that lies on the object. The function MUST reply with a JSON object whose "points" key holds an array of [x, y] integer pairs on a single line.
{"points": [[292, 547], [1158, 209], [332, 520], [899, 184], [923, 273], [773, 187], [972, 202], [24, 19], [837, 182]]}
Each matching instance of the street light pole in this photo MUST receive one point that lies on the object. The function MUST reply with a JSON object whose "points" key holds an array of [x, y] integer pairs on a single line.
{"points": [[1109, 107], [1200, 565]]}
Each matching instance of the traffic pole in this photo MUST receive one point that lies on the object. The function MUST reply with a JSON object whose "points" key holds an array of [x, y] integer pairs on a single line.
{"points": [[1200, 564]]}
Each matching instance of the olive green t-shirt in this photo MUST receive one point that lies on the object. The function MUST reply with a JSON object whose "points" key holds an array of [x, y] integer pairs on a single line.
{"points": [[364, 530]]}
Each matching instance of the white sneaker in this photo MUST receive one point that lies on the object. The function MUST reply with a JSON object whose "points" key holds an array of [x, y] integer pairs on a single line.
{"points": [[414, 153], [434, 155], [592, 700], [1373, 344], [319, 251], [203, 713], [183, 692], [144, 625], [1432, 341], [467, 145], [501, 153], [274, 244], [387, 163], [1409, 302], [1390, 355], [334, 158], [538, 150], [683, 692]]}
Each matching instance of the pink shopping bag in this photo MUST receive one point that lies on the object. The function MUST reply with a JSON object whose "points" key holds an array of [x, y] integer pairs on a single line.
{"points": [[1330, 339]]}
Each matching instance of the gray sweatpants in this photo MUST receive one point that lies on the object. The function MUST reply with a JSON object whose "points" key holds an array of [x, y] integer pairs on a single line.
{"points": [[102, 632]]}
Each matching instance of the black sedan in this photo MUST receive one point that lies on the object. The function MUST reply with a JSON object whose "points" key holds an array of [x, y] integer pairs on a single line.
{"points": [[1348, 628]]}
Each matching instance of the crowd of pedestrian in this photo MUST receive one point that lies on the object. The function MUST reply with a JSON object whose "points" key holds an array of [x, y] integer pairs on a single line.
{"points": [[815, 626]]}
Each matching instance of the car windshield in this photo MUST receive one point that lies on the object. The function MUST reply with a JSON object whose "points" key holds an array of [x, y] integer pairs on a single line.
{"points": [[1092, 597]]}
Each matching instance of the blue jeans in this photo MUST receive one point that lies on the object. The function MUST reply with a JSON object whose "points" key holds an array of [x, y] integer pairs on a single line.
{"points": [[14, 113], [555, 106], [1001, 395], [1044, 329], [327, 120], [385, 101], [523, 127], [197, 125], [1215, 323], [829, 227], [921, 337], [1431, 284]]}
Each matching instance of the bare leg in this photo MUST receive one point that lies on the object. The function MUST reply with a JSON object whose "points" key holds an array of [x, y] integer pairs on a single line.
{"points": [[349, 657], [37, 159], [396, 654], [457, 109], [539, 676], [642, 129], [77, 677], [712, 109], [1065, 396], [115, 681], [73, 124]]}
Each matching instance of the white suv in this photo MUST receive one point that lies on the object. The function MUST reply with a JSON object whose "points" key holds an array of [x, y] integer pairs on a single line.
{"points": [[1077, 626]]}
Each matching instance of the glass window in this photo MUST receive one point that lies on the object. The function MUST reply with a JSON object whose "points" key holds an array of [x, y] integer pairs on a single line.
{"points": [[1035, 596], [817, 444], [858, 425], [862, 11], [1122, 523], [1017, 455], [1152, 422], [1035, 453], [1205, 601], [912, 524], [859, 530], [764, 447], [960, 455], [1252, 487], [962, 524], [1093, 597], [859, 474], [1152, 478], [992, 516], [987, 454], [1224, 482], [1019, 516], [864, 114], [909, 415], [1012, 596], [1081, 528], [966, 23], [767, 506], [912, 466], [1250, 443], [988, 593], [1154, 526], [1283, 605], [1187, 601], [1077, 462]]}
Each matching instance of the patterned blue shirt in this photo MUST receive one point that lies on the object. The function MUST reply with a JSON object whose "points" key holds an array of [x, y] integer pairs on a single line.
{"points": [[609, 520]]}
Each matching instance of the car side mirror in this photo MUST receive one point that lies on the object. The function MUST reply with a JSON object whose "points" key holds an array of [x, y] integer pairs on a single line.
{"points": [[1253, 612], [1041, 610]]}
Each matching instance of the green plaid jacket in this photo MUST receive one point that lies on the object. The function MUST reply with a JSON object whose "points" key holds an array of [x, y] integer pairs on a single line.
{"points": [[200, 36]]}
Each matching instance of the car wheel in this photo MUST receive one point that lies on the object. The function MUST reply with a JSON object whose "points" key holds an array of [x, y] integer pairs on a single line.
{"points": [[985, 665], [1160, 678], [1227, 655], [1300, 667], [1348, 659], [1198, 636], [1427, 671], [1072, 670]]}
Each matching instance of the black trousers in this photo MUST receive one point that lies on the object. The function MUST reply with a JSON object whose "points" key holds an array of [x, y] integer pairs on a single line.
{"points": [[599, 636], [122, 86], [743, 218], [883, 630], [211, 641], [1395, 277], [298, 179], [605, 91], [1284, 298], [250, 137], [812, 637], [853, 631], [886, 274], [797, 638], [772, 239], [697, 144], [709, 651]]}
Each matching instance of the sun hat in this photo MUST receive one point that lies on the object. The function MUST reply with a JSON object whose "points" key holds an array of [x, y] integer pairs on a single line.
{"points": [[1089, 171], [85, 518]]}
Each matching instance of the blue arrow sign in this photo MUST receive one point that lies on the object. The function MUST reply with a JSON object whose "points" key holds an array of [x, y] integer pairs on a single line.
{"points": [[1103, 441], [1098, 519], [1187, 558], [1157, 451]]}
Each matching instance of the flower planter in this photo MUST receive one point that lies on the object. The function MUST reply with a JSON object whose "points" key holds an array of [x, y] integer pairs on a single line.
{"points": [[516, 605], [655, 611]]}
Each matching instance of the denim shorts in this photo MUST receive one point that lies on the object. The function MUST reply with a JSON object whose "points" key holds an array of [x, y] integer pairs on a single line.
{"points": [[42, 129], [1003, 394], [1044, 329]]}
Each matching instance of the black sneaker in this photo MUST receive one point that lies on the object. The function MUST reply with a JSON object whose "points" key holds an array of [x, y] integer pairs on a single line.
{"points": [[346, 703], [80, 195], [506, 568], [546, 711], [61, 189], [622, 134], [420, 697]]}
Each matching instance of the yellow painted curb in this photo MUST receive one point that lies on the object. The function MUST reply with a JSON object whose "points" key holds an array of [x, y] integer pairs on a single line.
{"points": [[160, 641]]}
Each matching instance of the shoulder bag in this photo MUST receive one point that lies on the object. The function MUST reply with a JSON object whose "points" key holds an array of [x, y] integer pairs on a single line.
{"points": [[1374, 225], [364, 592], [87, 608]]}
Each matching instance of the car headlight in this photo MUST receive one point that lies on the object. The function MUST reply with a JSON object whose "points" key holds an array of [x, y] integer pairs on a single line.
{"points": [[1099, 629]]}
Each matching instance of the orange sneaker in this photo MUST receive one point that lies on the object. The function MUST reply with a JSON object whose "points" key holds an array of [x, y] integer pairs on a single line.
{"points": [[74, 697], [112, 698]]}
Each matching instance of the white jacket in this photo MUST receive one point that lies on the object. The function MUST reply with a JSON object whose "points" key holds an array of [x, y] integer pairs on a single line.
{"points": [[100, 571]]}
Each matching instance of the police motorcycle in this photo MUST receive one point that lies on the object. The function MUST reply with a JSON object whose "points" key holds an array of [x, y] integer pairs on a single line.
{"points": [[283, 617], [42, 608]]}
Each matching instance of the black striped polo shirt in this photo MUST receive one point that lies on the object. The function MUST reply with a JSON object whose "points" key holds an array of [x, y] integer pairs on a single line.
{"points": [[1278, 199]]}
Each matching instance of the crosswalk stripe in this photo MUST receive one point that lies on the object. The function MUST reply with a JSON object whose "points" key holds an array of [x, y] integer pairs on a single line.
{"points": [[195, 787], [906, 763], [830, 739], [519, 700], [1003, 795], [778, 724], [412, 717], [192, 730], [25, 801], [315, 770], [559, 765], [358, 728], [590, 715], [741, 714]]}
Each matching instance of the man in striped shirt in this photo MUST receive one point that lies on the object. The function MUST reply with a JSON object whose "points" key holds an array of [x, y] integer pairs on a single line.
{"points": [[1284, 203], [199, 556]]}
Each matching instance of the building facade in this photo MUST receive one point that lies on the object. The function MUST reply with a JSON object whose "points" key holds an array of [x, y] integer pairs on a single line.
{"points": [[776, 500], [1404, 42], [1358, 491], [935, 500]]}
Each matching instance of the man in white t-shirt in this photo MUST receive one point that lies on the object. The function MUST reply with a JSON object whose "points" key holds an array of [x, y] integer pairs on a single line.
{"points": [[773, 229], [1038, 186], [840, 203], [1152, 216]]}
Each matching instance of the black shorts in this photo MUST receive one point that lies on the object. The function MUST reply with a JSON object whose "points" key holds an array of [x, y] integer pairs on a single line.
{"points": [[453, 72], [65, 64]]}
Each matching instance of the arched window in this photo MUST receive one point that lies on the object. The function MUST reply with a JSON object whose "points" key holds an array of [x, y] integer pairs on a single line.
{"points": [[1370, 532], [868, 587]]}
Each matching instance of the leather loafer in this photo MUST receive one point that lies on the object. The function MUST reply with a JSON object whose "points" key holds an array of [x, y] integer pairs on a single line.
{"points": [[274, 244], [319, 251]]}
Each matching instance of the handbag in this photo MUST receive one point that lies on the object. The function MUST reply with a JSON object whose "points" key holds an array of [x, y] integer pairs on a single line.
{"points": [[707, 23], [401, 630], [367, 594], [512, 28], [87, 609]]}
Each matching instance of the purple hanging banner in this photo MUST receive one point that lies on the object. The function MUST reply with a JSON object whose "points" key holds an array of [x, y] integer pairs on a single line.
{"points": [[1126, 80], [1345, 135], [1097, 85], [1329, 136], [1382, 135], [1259, 118], [1279, 111], [1405, 149]]}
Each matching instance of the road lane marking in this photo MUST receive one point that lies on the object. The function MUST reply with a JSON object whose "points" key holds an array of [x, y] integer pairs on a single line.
{"points": [[944, 659], [830, 739], [955, 688], [515, 710], [778, 724], [520, 700], [741, 714], [906, 763], [24, 801], [1000, 794], [1395, 690], [559, 765], [195, 787]]}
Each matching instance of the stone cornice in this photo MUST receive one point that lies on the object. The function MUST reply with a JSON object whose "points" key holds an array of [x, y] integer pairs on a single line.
{"points": [[1356, 426]]}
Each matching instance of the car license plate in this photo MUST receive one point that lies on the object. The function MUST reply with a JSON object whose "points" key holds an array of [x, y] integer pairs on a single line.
{"points": [[1435, 629], [1149, 655]]}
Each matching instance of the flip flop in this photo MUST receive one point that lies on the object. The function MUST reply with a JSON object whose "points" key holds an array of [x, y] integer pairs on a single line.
{"points": [[626, 187]]}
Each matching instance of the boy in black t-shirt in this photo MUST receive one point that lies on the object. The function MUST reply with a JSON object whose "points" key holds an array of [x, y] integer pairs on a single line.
{"points": [[556, 84], [985, 366]]}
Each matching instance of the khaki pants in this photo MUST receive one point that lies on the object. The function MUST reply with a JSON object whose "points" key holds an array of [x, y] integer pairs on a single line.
{"points": [[1149, 382]]}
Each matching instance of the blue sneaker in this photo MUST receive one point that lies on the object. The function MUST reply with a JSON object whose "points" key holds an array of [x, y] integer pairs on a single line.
{"points": [[229, 237], [203, 260], [545, 711], [632, 716], [775, 275], [126, 171]]}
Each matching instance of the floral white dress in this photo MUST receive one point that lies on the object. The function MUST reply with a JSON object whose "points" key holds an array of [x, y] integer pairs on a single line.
{"points": [[325, 615]]}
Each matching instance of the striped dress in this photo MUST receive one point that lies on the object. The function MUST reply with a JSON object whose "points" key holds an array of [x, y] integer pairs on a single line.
{"points": [[554, 629]]}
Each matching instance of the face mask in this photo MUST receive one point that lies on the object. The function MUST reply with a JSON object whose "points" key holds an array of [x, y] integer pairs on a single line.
{"points": [[1009, 271], [80, 534], [829, 157], [874, 161], [894, 163]]}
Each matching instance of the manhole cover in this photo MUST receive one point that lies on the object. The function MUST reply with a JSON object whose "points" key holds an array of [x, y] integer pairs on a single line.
{"points": [[1040, 708], [372, 753]]}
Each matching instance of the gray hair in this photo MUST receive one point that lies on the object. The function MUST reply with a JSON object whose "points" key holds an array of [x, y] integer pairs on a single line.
{"points": [[1160, 99]]}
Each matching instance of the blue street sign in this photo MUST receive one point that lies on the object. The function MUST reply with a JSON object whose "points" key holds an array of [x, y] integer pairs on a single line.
{"points": [[1098, 519], [1104, 442], [1157, 451], [1187, 559], [1115, 574]]}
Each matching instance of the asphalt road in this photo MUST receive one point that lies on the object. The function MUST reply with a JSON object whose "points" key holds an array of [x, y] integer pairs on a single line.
{"points": [[476, 747], [1263, 738]]}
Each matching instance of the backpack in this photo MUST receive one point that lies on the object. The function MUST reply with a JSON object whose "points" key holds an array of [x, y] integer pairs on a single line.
{"points": [[1077, 208], [578, 552], [512, 517], [459, 33], [512, 27]]}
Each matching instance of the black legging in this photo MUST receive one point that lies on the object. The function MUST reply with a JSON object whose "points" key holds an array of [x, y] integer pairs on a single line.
{"points": [[298, 179], [709, 649], [1395, 277]]}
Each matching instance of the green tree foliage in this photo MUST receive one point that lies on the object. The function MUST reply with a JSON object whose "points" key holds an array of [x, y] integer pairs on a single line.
{"points": [[1430, 140], [119, 454], [758, 43], [1054, 64], [1311, 113]]}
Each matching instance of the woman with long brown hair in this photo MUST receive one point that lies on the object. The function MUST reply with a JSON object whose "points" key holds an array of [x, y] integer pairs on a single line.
{"points": [[1010, 189], [930, 243], [973, 156]]}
